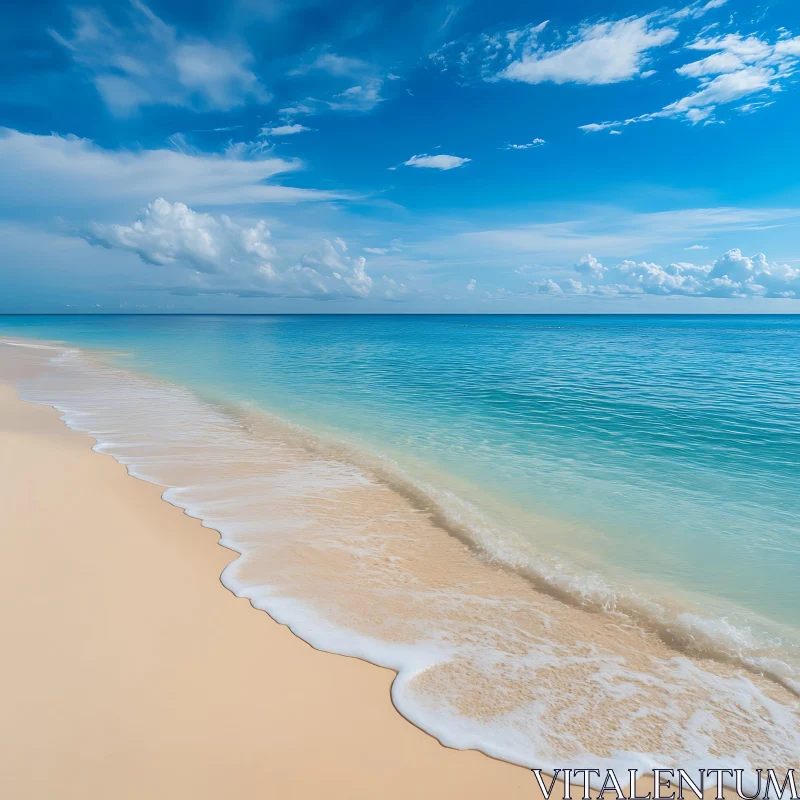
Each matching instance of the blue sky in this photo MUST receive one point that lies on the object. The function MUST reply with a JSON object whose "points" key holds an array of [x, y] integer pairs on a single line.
{"points": [[261, 155]]}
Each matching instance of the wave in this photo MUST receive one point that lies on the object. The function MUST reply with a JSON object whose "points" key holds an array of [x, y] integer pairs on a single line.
{"points": [[496, 647]]}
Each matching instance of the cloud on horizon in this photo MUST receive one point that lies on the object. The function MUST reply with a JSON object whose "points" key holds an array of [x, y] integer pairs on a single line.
{"points": [[731, 275]]}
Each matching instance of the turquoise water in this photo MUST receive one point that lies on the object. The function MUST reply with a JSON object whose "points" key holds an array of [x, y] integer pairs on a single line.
{"points": [[670, 445], [646, 464]]}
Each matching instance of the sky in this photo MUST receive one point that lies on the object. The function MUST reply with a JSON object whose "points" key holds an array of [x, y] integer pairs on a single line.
{"points": [[259, 156]]}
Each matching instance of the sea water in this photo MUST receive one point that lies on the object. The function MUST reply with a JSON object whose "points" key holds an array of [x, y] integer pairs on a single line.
{"points": [[502, 508]]}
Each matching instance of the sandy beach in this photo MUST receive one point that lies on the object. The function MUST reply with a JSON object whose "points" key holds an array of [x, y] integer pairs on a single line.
{"points": [[129, 671], [389, 406]]}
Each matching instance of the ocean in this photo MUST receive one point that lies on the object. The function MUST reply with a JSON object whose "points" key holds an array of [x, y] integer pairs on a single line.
{"points": [[576, 538]]}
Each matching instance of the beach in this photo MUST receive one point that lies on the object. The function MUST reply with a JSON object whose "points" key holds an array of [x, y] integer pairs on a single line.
{"points": [[129, 671], [390, 408], [135, 658]]}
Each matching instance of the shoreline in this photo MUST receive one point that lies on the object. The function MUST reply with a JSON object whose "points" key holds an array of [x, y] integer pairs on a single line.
{"points": [[668, 612], [132, 672], [324, 649]]}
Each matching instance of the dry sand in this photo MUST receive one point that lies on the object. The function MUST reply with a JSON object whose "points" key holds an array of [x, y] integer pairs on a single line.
{"points": [[129, 671]]}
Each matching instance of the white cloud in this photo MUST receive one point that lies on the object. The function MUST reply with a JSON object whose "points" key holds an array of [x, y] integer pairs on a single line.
{"points": [[471, 284], [224, 257], [589, 265], [57, 172], [442, 161], [606, 52], [721, 89], [739, 67], [341, 274], [547, 286], [788, 47], [376, 251], [697, 9], [283, 130], [297, 108], [731, 275], [596, 127], [166, 233], [715, 64], [150, 63], [535, 143], [363, 97], [697, 247], [747, 48], [334, 65], [736, 67], [750, 108]]}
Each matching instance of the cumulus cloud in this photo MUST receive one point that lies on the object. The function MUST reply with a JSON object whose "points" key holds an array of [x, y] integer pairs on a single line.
{"points": [[471, 284], [589, 265], [283, 130], [224, 257], [546, 286], [149, 62], [737, 275], [51, 171], [739, 67], [442, 162], [731, 275], [341, 274], [605, 52], [537, 142], [697, 247], [166, 233]]}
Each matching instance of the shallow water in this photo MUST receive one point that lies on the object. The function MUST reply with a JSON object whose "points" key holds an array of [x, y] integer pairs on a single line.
{"points": [[376, 471]]}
